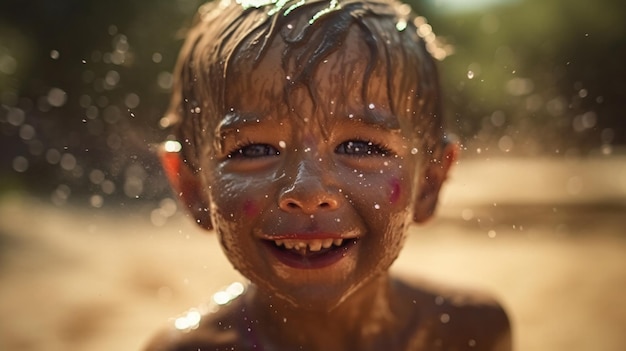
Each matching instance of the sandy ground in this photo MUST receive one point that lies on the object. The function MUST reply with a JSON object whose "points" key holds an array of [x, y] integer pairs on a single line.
{"points": [[548, 237]]}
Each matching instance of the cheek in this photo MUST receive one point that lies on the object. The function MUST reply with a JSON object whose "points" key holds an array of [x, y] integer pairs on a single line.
{"points": [[250, 208], [395, 190]]}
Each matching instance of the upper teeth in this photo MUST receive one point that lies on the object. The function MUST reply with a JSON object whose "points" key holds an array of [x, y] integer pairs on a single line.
{"points": [[313, 245]]}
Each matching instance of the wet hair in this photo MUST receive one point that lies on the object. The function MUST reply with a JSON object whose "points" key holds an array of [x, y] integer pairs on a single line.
{"points": [[229, 32]]}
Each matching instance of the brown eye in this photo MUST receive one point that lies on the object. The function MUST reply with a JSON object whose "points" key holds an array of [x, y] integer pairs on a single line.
{"points": [[254, 151], [361, 148]]}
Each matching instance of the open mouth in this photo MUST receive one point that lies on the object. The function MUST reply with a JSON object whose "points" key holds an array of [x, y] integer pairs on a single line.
{"points": [[310, 253], [304, 247]]}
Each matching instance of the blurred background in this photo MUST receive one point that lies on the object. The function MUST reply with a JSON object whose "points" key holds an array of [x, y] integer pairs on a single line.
{"points": [[94, 253], [84, 84]]}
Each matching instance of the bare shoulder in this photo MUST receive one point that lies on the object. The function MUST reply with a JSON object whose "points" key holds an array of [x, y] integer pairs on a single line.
{"points": [[459, 319], [215, 330]]}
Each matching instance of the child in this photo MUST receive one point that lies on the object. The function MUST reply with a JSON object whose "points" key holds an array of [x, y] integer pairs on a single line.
{"points": [[311, 138]]}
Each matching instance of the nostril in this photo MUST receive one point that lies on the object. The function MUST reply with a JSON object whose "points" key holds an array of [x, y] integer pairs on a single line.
{"points": [[308, 205]]}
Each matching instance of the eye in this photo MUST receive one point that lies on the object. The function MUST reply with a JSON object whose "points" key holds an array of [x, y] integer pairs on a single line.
{"points": [[254, 151], [361, 148]]}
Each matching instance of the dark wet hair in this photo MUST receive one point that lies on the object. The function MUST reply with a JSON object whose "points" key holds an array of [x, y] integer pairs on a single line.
{"points": [[227, 32]]}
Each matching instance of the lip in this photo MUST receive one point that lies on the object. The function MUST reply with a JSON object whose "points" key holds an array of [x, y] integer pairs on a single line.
{"points": [[305, 258]]}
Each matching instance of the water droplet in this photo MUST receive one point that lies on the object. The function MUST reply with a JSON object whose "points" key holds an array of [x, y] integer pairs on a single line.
{"points": [[164, 80], [111, 79], [414, 151], [377, 206], [157, 57], [467, 214], [221, 297], [401, 25], [172, 146], [505, 143], [282, 144], [132, 100], [20, 164], [498, 118], [27, 132], [190, 320], [371, 106], [16, 116], [108, 187], [470, 74], [54, 54], [60, 195], [96, 201], [96, 176], [112, 29], [68, 162], [56, 97], [235, 289]]}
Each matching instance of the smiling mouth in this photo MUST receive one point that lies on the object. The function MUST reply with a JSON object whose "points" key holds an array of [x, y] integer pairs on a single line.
{"points": [[305, 247], [312, 250]]}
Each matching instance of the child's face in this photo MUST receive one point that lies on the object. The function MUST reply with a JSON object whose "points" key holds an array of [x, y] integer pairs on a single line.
{"points": [[310, 201]]}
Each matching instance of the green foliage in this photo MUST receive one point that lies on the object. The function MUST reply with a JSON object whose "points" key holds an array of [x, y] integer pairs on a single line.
{"points": [[544, 66]]}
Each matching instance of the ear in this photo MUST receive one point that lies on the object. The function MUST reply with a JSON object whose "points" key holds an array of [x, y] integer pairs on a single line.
{"points": [[187, 185], [430, 182]]}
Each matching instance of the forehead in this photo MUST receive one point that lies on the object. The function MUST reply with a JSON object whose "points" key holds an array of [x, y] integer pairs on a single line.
{"points": [[284, 83]]}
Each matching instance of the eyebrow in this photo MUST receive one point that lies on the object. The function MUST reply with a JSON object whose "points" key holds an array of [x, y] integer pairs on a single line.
{"points": [[233, 120], [375, 118]]}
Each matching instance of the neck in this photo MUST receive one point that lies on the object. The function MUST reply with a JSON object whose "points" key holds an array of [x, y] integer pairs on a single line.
{"points": [[364, 317]]}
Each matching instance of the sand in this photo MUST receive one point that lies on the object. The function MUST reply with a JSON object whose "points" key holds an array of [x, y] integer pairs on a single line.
{"points": [[546, 236]]}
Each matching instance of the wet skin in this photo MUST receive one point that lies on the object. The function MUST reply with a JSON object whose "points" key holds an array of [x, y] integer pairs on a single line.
{"points": [[315, 172], [282, 178]]}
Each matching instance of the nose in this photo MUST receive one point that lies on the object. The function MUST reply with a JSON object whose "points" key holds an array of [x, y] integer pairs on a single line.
{"points": [[308, 191]]}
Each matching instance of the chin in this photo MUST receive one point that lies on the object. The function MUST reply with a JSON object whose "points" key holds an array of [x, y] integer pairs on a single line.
{"points": [[323, 297], [319, 299]]}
